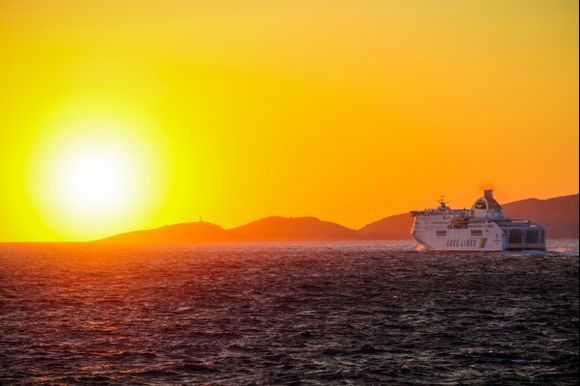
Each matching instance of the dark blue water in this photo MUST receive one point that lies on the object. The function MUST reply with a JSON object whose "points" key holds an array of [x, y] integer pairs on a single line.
{"points": [[362, 313]]}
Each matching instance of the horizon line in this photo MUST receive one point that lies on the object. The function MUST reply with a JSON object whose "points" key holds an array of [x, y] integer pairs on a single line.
{"points": [[236, 226]]}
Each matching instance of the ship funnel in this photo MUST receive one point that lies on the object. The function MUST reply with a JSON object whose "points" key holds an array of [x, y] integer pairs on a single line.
{"points": [[488, 194]]}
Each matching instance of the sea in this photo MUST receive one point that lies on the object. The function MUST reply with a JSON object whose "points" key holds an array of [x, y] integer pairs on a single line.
{"points": [[362, 313]]}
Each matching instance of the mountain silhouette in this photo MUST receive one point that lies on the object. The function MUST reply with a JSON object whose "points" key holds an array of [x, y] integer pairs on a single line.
{"points": [[266, 229], [193, 232], [559, 216], [397, 227], [294, 228]]}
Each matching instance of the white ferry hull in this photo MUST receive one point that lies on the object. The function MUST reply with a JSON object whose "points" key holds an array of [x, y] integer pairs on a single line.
{"points": [[481, 228], [443, 239]]}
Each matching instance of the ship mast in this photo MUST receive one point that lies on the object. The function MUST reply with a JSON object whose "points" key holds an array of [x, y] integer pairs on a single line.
{"points": [[442, 203]]}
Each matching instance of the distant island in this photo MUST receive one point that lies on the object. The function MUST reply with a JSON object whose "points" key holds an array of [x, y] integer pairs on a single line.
{"points": [[559, 215]]}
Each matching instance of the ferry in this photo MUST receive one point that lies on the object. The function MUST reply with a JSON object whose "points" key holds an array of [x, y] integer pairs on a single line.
{"points": [[483, 227]]}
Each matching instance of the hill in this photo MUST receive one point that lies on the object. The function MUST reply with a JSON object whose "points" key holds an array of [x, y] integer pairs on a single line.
{"points": [[397, 227], [294, 228], [193, 232], [558, 215], [266, 229]]}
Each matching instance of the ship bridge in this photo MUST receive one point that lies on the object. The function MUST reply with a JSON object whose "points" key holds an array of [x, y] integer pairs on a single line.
{"points": [[487, 206]]}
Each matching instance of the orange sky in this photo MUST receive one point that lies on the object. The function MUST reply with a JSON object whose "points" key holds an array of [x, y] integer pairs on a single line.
{"points": [[231, 111]]}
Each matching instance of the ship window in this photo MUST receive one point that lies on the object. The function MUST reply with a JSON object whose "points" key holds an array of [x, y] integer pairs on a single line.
{"points": [[441, 233], [541, 237], [515, 236], [532, 236], [477, 232]]}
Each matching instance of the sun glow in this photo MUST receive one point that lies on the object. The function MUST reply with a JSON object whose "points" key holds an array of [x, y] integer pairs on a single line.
{"points": [[94, 179], [97, 177]]}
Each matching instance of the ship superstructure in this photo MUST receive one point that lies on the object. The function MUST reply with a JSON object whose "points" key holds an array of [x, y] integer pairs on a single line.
{"points": [[483, 227]]}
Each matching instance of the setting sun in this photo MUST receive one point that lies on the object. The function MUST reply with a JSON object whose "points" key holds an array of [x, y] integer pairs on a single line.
{"points": [[94, 179], [97, 174]]}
